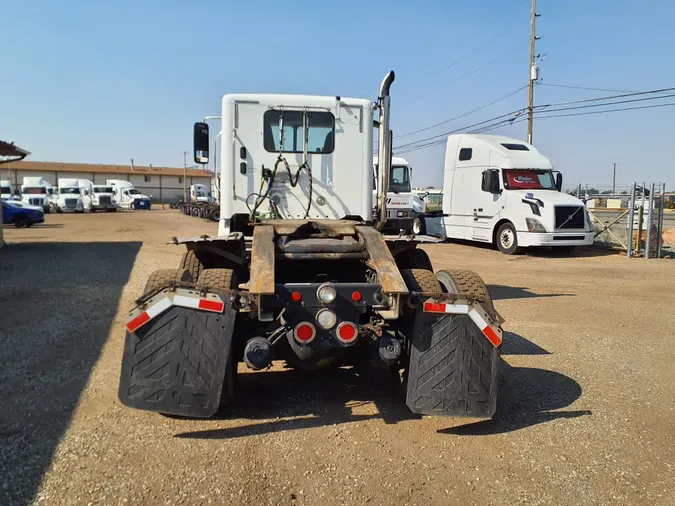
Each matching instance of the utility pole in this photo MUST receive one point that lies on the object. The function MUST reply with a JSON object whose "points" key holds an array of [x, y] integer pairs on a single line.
{"points": [[614, 180], [185, 176], [534, 71]]}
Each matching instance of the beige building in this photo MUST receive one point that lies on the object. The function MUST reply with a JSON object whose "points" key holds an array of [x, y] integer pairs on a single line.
{"points": [[163, 184]]}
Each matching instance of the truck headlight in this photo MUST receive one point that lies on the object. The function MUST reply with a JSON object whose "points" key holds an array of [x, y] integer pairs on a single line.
{"points": [[534, 225]]}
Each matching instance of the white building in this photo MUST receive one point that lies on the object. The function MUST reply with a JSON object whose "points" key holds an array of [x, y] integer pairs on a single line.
{"points": [[163, 184]]}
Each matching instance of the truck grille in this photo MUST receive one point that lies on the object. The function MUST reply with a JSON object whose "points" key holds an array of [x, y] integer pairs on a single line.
{"points": [[104, 200], [35, 201], [569, 217], [71, 202]]}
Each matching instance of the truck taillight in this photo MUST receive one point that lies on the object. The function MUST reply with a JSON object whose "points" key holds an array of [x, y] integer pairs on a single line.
{"points": [[347, 332], [304, 332]]}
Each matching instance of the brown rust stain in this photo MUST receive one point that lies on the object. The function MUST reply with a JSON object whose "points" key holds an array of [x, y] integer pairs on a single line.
{"points": [[383, 261], [262, 261]]}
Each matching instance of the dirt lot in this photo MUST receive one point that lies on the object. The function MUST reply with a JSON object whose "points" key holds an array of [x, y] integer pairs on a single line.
{"points": [[586, 412]]}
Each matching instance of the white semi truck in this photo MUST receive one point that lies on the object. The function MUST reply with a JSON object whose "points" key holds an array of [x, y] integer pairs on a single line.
{"points": [[37, 192], [102, 198], [503, 191], [73, 195], [126, 196], [200, 193], [5, 189], [405, 209], [300, 271]]}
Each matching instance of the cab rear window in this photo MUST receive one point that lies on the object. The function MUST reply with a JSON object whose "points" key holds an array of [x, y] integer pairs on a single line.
{"points": [[320, 131]]}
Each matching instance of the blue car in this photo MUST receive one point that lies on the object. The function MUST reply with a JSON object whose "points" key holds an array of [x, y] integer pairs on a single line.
{"points": [[20, 214]]}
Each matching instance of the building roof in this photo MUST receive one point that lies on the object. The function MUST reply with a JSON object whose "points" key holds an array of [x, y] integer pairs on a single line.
{"points": [[109, 169], [9, 149]]}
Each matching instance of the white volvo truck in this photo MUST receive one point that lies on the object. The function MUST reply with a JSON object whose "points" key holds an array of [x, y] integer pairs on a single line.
{"points": [[405, 209], [503, 191], [299, 271], [200, 193], [36, 192], [127, 196]]}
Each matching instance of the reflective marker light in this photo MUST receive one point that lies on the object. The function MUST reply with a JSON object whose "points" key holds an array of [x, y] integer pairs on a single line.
{"points": [[296, 296], [347, 332], [304, 332], [356, 296], [326, 319], [326, 294]]}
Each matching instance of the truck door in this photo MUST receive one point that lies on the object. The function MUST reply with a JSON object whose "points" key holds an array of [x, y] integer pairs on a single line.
{"points": [[485, 208]]}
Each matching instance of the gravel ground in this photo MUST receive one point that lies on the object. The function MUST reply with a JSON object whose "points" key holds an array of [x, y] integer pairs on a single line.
{"points": [[585, 416]]}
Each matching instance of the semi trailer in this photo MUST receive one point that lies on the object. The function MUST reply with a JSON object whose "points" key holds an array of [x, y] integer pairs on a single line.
{"points": [[300, 271]]}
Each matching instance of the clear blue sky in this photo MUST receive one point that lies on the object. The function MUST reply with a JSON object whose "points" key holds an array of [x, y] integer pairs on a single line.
{"points": [[87, 82]]}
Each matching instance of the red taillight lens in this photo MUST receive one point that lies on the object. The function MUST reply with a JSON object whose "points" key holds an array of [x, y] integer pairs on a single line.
{"points": [[347, 332], [356, 296], [296, 296], [304, 332]]}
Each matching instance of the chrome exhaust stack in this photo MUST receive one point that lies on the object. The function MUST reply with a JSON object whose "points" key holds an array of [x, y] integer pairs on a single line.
{"points": [[384, 150]]}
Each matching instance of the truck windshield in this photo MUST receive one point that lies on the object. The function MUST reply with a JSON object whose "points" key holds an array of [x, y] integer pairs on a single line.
{"points": [[35, 190], [399, 179], [69, 191], [528, 179], [103, 189], [133, 191], [5, 189]]}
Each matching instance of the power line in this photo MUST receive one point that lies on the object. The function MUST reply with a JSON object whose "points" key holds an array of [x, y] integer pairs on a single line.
{"points": [[484, 106], [425, 143], [464, 76], [610, 97], [653, 106], [586, 88]]}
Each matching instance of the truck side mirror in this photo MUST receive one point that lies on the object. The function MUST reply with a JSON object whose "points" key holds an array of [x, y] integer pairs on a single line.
{"points": [[558, 181], [201, 143], [490, 181]]}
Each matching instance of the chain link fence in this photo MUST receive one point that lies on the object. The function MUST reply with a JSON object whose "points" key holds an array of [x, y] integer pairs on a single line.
{"points": [[629, 220]]}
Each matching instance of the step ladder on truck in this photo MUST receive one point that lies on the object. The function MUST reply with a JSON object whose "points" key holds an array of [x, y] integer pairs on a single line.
{"points": [[300, 271]]}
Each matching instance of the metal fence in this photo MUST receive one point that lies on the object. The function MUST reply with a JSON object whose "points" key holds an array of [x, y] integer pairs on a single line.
{"points": [[630, 221]]}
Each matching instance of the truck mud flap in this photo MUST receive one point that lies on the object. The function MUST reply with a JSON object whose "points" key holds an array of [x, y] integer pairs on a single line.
{"points": [[176, 362], [453, 367]]}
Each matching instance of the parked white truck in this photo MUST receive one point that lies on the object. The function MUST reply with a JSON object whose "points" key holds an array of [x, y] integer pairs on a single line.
{"points": [[200, 193], [36, 192], [405, 209], [5, 189], [103, 198], [127, 196], [503, 191], [73, 195]]}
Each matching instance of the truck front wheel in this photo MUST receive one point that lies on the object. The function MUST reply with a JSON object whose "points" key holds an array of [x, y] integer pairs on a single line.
{"points": [[419, 226], [507, 239]]}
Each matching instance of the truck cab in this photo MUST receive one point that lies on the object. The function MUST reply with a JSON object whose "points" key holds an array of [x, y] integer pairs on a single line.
{"points": [[405, 209], [503, 191], [72, 196], [200, 193], [36, 191], [127, 196], [5, 189], [103, 198]]}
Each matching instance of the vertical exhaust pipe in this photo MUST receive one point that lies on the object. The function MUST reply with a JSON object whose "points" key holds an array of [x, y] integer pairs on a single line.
{"points": [[384, 150]]}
